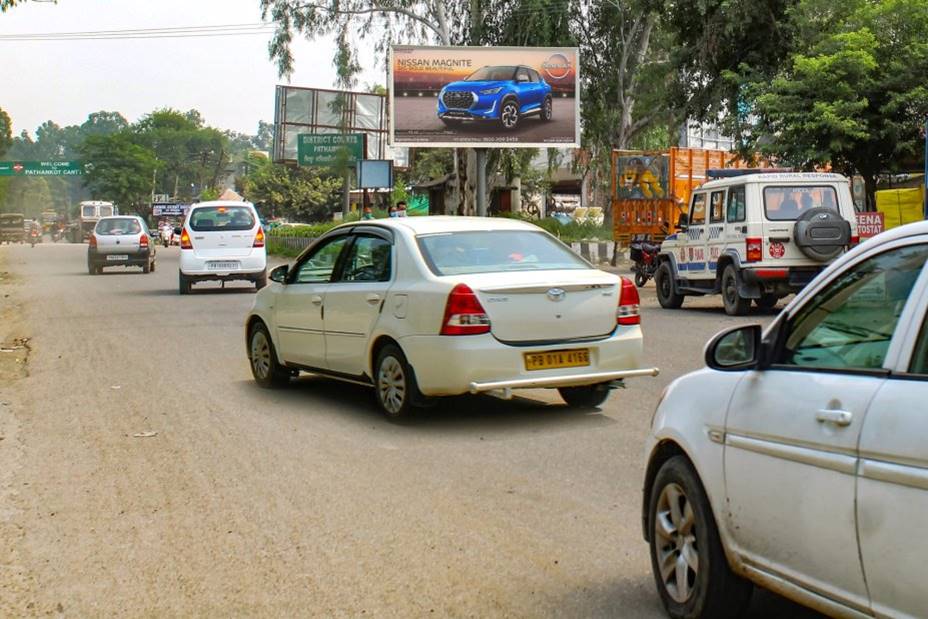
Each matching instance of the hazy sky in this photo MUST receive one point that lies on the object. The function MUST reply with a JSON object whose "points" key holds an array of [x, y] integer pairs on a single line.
{"points": [[228, 78]]}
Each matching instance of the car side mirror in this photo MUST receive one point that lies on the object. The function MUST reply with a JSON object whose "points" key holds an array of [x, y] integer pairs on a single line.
{"points": [[279, 274], [177, 231], [735, 349]]}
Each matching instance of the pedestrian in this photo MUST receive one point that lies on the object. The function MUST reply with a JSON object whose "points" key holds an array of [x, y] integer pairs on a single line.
{"points": [[368, 213], [392, 212], [401, 208]]}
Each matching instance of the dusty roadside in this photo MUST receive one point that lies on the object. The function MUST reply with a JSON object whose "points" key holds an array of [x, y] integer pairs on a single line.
{"points": [[16, 583]]}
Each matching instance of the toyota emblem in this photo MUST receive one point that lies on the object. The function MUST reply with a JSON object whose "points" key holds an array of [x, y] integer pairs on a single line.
{"points": [[556, 294]]}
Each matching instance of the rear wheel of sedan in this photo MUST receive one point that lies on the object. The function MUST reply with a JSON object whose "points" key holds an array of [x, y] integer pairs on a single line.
{"points": [[261, 281], [262, 356], [588, 396], [183, 283], [146, 268], [394, 383], [509, 114], [689, 565]]}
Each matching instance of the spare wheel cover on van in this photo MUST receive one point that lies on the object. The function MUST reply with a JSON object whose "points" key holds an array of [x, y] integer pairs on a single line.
{"points": [[821, 233]]}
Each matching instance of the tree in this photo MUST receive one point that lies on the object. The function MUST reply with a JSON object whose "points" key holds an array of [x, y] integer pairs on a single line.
{"points": [[855, 98], [5, 5], [104, 123], [6, 132], [120, 170], [301, 194]]}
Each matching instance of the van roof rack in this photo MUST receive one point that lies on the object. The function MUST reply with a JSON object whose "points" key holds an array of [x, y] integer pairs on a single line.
{"points": [[733, 172]]}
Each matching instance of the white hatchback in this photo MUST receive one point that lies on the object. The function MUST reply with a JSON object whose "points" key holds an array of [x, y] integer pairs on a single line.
{"points": [[222, 241], [798, 460], [437, 306]]}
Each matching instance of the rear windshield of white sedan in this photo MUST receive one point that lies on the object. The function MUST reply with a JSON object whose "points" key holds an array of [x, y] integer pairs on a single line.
{"points": [[462, 253], [216, 218], [118, 226]]}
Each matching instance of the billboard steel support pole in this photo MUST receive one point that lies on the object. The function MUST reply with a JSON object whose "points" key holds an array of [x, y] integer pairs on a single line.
{"points": [[481, 181], [926, 170]]}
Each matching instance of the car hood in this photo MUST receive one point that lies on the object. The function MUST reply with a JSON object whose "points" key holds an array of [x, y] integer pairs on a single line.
{"points": [[462, 85]]}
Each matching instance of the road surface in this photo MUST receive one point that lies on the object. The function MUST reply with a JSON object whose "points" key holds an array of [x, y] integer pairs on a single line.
{"points": [[143, 473]]}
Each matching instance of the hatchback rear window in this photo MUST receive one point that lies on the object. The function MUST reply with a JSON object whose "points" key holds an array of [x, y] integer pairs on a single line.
{"points": [[118, 226], [216, 218], [460, 253], [788, 203]]}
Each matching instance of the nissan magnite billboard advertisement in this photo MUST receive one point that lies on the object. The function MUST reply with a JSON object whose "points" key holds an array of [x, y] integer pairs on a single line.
{"points": [[484, 96]]}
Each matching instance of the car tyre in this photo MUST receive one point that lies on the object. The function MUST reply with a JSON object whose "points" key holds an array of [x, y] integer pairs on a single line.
{"points": [[146, 268], [641, 279], [690, 569], [395, 386], [93, 269], [262, 357], [261, 281], [767, 301], [735, 304], [509, 114], [183, 283], [547, 109], [588, 396], [666, 295]]}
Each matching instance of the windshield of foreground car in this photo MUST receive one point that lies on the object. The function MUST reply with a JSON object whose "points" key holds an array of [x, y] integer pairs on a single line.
{"points": [[214, 218], [492, 74], [484, 251], [118, 226]]}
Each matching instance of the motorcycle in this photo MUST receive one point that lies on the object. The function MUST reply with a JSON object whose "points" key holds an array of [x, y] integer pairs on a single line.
{"points": [[644, 260], [166, 234], [34, 237]]}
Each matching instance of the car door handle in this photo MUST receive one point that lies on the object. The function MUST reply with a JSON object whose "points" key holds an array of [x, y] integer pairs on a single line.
{"points": [[837, 417], [316, 299], [373, 299]]}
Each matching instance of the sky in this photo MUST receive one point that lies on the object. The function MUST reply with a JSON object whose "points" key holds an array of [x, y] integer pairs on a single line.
{"points": [[229, 79]]}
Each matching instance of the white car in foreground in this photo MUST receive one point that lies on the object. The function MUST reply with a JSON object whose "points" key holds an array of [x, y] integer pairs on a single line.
{"points": [[221, 241], [438, 306], [798, 460]]}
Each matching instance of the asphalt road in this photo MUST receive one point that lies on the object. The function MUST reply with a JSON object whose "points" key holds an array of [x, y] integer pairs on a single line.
{"points": [[417, 121], [303, 501]]}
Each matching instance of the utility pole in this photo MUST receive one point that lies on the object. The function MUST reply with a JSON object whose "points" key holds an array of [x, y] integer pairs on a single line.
{"points": [[925, 180], [481, 197]]}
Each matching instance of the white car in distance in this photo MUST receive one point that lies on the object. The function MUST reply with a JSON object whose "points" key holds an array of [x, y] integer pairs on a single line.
{"points": [[798, 460], [438, 306]]}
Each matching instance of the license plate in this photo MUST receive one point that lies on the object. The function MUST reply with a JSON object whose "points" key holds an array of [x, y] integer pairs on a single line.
{"points": [[557, 359], [222, 266], [115, 257]]}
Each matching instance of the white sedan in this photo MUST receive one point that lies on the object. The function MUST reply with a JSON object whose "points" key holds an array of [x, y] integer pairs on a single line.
{"points": [[438, 306], [798, 460]]}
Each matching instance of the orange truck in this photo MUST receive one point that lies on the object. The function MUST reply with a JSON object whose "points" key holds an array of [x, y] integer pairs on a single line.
{"points": [[650, 189]]}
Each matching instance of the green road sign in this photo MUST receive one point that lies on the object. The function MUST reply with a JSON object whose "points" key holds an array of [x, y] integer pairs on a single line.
{"points": [[41, 168], [329, 149]]}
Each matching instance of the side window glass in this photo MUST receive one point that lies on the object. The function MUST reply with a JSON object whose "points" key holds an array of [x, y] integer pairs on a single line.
{"points": [[522, 76], [850, 323], [368, 261], [318, 267], [736, 204], [919, 364], [535, 77], [698, 210], [717, 207]]}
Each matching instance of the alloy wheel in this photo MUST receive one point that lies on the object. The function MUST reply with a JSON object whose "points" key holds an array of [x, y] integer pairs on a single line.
{"points": [[391, 385], [675, 537], [260, 354], [510, 115], [548, 111]]}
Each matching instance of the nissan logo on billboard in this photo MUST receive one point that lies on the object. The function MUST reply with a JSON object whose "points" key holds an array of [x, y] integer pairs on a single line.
{"points": [[557, 66]]}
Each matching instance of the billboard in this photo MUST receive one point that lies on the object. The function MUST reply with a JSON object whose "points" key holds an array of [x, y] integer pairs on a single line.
{"points": [[484, 96]]}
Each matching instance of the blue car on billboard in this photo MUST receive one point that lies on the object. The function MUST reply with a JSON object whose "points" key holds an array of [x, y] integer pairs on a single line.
{"points": [[502, 94]]}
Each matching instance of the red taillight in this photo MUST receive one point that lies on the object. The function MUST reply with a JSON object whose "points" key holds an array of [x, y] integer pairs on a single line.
{"points": [[93, 241], [259, 238], [754, 248], [143, 240], [855, 240], [185, 240], [627, 312], [463, 313]]}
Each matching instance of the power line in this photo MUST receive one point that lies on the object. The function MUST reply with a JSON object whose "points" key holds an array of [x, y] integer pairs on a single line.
{"points": [[144, 33]]}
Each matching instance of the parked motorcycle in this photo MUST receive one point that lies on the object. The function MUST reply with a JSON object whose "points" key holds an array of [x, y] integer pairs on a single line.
{"points": [[644, 260]]}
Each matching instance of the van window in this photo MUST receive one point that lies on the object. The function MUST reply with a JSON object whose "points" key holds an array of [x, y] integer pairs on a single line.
{"points": [[88, 211], [788, 203], [106, 211], [217, 218], [736, 204], [717, 207], [698, 210]]}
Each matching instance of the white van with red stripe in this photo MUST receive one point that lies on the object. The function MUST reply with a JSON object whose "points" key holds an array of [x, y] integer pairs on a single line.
{"points": [[222, 241], [756, 236]]}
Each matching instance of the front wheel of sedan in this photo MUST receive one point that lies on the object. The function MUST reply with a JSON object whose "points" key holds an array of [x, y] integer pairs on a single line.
{"points": [[265, 368], [689, 565], [588, 396], [394, 383]]}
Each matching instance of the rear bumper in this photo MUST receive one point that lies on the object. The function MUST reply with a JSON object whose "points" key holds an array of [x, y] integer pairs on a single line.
{"points": [[136, 259], [453, 365], [794, 278], [250, 266]]}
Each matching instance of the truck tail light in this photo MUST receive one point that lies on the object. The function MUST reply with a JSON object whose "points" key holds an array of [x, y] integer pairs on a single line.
{"points": [[93, 241], [185, 240], [627, 312], [464, 315], [259, 238], [754, 248]]}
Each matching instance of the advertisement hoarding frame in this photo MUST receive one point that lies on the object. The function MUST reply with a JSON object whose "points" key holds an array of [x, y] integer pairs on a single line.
{"points": [[361, 176], [391, 108]]}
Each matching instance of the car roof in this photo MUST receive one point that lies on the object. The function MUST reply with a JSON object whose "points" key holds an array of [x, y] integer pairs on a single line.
{"points": [[441, 223], [775, 177], [120, 217], [222, 203]]}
